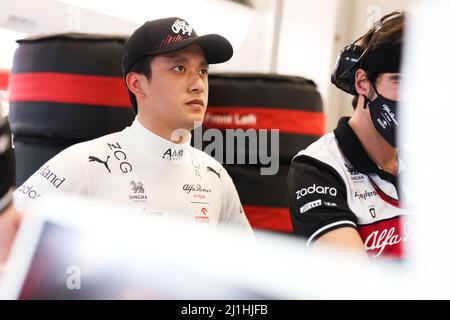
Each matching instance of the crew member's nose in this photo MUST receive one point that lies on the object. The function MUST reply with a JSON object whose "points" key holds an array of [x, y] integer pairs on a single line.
{"points": [[198, 83]]}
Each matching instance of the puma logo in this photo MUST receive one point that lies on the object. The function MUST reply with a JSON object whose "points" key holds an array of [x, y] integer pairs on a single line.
{"points": [[95, 159], [212, 170]]}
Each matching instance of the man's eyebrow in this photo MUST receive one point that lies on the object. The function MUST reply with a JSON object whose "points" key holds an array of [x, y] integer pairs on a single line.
{"points": [[181, 59], [395, 76]]}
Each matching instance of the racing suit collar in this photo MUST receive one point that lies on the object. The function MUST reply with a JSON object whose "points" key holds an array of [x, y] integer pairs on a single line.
{"points": [[353, 150], [150, 142]]}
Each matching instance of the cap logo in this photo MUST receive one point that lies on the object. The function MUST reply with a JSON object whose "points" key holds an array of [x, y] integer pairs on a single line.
{"points": [[181, 25]]}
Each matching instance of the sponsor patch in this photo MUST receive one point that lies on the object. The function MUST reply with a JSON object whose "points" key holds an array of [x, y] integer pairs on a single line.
{"points": [[316, 189], [310, 205]]}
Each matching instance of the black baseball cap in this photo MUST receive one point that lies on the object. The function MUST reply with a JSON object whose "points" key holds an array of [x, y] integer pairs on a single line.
{"points": [[172, 34], [167, 35]]}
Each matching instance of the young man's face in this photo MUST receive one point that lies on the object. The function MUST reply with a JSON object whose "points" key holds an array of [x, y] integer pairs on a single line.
{"points": [[176, 95], [388, 85]]}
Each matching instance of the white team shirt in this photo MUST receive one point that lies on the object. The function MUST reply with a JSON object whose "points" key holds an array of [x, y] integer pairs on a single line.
{"points": [[138, 168]]}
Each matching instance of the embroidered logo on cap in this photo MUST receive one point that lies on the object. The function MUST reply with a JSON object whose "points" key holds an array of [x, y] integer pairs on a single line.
{"points": [[181, 25]]}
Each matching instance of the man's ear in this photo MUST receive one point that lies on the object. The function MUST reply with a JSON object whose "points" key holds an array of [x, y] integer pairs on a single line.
{"points": [[135, 83], [362, 84]]}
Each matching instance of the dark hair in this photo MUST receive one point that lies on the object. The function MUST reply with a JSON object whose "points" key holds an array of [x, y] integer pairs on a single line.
{"points": [[391, 33], [142, 66]]}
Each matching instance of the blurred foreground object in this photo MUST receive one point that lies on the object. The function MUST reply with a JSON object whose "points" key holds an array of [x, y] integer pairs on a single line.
{"points": [[64, 250]]}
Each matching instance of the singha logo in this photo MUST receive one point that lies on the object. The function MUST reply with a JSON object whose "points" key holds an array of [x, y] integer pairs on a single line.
{"points": [[351, 170], [137, 187], [355, 175]]}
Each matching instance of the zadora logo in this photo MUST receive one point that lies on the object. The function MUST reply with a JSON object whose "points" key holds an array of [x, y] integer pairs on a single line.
{"points": [[316, 189]]}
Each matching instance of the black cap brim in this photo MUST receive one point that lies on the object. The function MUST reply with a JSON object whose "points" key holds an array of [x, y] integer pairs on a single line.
{"points": [[216, 48]]}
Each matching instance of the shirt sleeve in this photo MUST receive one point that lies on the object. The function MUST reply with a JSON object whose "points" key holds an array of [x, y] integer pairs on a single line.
{"points": [[232, 211], [317, 198], [65, 173]]}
